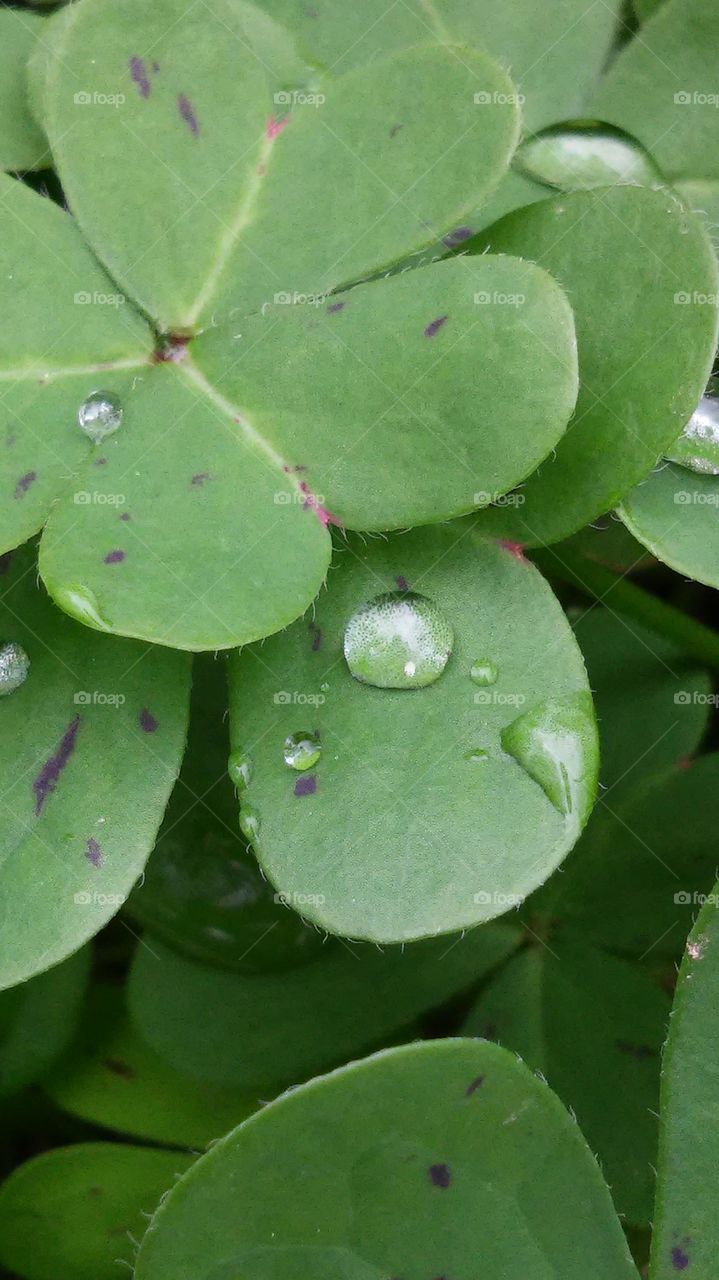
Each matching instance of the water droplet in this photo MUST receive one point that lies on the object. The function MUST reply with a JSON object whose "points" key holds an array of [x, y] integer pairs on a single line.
{"points": [[483, 672], [249, 823], [302, 750], [555, 742], [99, 415], [14, 667], [324, 687], [240, 769], [399, 640], [81, 603], [476, 755], [697, 448], [584, 154]]}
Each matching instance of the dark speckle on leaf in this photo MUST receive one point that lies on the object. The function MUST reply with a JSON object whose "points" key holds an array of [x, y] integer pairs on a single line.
{"points": [[119, 1068], [680, 1259], [435, 326], [306, 785], [458, 236], [440, 1175], [155, 67], [184, 106], [474, 1086], [316, 634], [24, 483], [100, 462], [125, 515], [5, 561], [114, 557], [139, 75], [93, 852], [335, 307], [148, 723], [402, 583], [199, 479], [638, 1051], [395, 130], [47, 779]]}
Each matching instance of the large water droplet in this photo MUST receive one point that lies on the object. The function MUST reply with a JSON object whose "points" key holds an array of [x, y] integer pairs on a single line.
{"points": [[99, 415], [240, 769], [14, 667], [697, 448], [555, 742], [302, 750], [399, 640], [249, 823], [483, 672], [81, 603], [584, 154]]}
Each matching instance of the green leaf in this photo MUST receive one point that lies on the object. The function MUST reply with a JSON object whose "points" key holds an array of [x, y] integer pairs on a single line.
{"points": [[75, 1212], [644, 358], [91, 745], [662, 89], [279, 1029], [244, 208], [610, 543], [554, 61], [114, 1079], [673, 513], [202, 892], [37, 1020], [22, 145], [594, 1026], [424, 815], [416, 1162], [374, 398], [636, 677], [703, 199], [685, 1233]]}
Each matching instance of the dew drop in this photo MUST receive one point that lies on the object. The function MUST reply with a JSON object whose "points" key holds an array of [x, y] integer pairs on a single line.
{"points": [[302, 750], [697, 448], [555, 742], [239, 767], [477, 755], [81, 603], [483, 672], [249, 823], [582, 154], [399, 640], [14, 668], [99, 415]]}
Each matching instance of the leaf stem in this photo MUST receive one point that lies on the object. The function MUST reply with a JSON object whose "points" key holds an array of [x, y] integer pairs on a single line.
{"points": [[693, 638]]}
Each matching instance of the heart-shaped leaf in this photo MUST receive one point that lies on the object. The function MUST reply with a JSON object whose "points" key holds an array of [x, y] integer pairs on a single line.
{"points": [[662, 89], [431, 808], [418, 1161], [644, 357], [37, 1020], [114, 1079], [685, 1232], [279, 1029], [22, 145], [73, 1213], [674, 513], [91, 745], [603, 1064]]}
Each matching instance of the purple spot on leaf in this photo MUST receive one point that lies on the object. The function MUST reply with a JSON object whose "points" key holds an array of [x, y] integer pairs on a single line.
{"points": [[306, 785], [184, 106], [680, 1259], [100, 462], [474, 1086], [440, 1175], [402, 583], [335, 307], [125, 515], [435, 326], [114, 557], [139, 75], [199, 479], [316, 634], [93, 852], [47, 779], [148, 723], [24, 483], [458, 236]]}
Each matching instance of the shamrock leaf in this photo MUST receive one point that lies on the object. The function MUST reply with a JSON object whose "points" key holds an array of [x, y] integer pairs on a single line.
{"points": [[431, 808], [91, 744], [416, 1161], [22, 145], [645, 354]]}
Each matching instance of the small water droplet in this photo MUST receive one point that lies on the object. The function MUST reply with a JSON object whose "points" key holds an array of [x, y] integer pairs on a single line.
{"points": [[240, 769], [324, 687], [483, 672], [555, 742], [399, 640], [697, 448], [99, 415], [249, 823], [476, 755], [14, 667], [302, 750], [582, 154], [81, 603]]}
